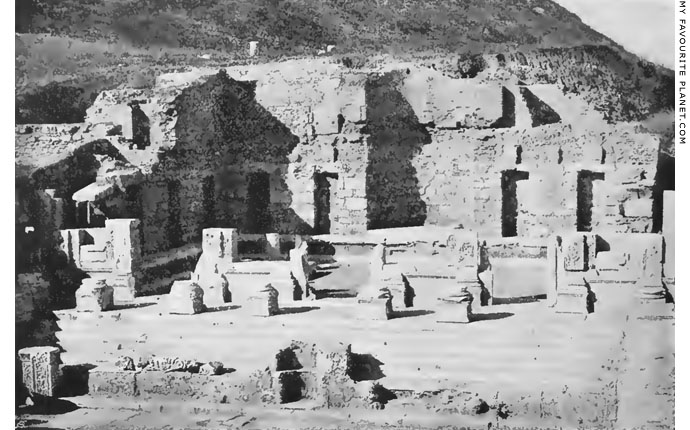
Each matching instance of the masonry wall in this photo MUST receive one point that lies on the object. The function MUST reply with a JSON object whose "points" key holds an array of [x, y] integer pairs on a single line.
{"points": [[395, 138], [459, 174], [223, 137]]}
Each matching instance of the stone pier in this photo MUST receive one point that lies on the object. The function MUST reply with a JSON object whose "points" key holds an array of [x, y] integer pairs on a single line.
{"points": [[186, 297], [94, 295], [40, 369]]}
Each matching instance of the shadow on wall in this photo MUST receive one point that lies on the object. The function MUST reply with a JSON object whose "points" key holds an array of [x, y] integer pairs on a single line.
{"points": [[396, 137], [228, 168]]}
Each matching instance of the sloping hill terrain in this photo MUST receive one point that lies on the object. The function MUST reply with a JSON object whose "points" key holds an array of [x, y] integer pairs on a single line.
{"points": [[294, 26], [83, 47]]}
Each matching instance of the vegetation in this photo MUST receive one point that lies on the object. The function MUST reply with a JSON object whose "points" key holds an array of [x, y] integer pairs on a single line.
{"points": [[87, 46]]}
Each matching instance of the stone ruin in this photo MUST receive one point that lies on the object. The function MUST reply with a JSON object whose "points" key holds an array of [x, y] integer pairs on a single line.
{"points": [[532, 193]]}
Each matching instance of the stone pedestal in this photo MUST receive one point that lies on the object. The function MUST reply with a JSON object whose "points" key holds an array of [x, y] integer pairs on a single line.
{"points": [[456, 309], [124, 288], [299, 266], [264, 303], [216, 290], [40, 369], [124, 246], [186, 297], [573, 298], [94, 295], [378, 307]]}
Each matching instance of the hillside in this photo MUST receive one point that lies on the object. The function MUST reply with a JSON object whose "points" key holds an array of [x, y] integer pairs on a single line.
{"points": [[297, 26], [90, 45]]}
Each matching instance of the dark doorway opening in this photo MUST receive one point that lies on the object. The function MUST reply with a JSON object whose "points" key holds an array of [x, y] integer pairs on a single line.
{"points": [[141, 128], [208, 190], [324, 184], [174, 227], [292, 386], [509, 206], [258, 203], [585, 187]]}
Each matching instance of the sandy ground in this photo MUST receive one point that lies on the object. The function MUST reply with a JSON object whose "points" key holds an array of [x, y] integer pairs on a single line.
{"points": [[615, 366]]}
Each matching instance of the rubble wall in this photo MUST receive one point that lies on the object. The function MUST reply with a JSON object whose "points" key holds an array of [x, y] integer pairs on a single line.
{"points": [[224, 135], [459, 175]]}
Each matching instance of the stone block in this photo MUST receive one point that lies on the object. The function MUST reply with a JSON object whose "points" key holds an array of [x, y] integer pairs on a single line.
{"points": [[464, 248], [212, 368], [216, 289], [572, 299], [113, 383], [574, 253], [264, 303], [186, 297], [125, 363], [340, 389], [124, 248], [299, 266], [94, 295], [221, 243], [186, 386], [124, 288], [455, 309], [40, 369], [652, 258], [378, 308], [170, 364]]}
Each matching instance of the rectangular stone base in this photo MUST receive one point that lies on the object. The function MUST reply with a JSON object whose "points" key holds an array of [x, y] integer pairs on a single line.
{"points": [[113, 383], [372, 309], [452, 312], [124, 288], [571, 300], [155, 384]]}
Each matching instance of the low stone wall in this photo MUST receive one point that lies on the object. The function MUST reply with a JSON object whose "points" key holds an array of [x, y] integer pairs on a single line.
{"points": [[159, 271]]}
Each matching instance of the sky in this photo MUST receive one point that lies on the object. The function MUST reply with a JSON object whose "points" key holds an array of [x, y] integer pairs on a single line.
{"points": [[643, 27]]}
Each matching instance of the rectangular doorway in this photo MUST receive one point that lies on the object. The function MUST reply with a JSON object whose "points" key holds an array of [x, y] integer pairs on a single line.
{"points": [[258, 219], [510, 204], [324, 185], [585, 195]]}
